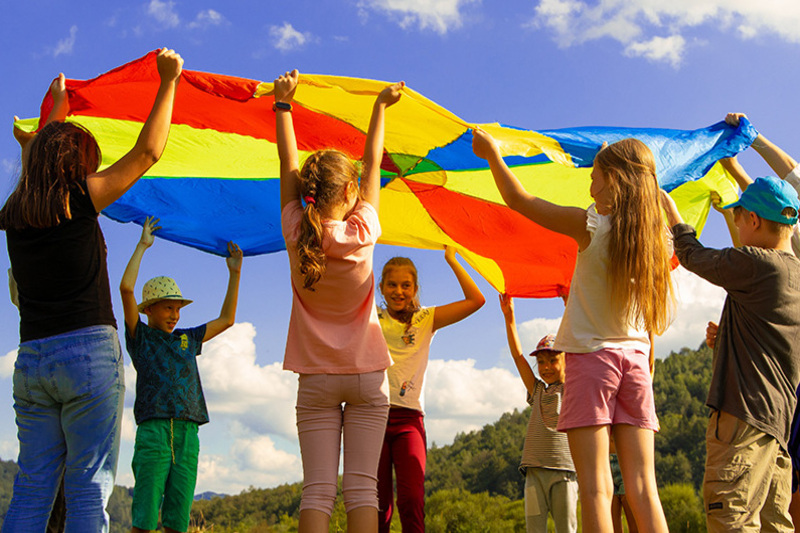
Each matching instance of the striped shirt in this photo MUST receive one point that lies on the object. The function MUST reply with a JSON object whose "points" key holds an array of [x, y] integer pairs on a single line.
{"points": [[545, 446]]}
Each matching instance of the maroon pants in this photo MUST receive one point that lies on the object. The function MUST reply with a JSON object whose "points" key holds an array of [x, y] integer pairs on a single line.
{"points": [[404, 447]]}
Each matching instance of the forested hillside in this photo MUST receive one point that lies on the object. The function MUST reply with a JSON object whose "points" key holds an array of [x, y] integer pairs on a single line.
{"points": [[473, 484]]}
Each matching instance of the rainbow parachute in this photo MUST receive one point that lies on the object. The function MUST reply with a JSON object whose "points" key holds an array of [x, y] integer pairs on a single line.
{"points": [[218, 177]]}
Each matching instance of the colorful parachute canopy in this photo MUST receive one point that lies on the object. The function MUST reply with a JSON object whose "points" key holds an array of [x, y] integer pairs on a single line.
{"points": [[218, 177]]}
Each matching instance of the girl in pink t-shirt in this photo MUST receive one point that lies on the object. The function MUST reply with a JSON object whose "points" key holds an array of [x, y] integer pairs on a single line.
{"points": [[334, 341]]}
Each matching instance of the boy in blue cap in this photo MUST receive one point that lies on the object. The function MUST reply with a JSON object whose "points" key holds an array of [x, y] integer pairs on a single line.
{"points": [[756, 367]]}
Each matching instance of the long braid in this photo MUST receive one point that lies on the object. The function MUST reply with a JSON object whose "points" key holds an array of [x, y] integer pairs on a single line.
{"points": [[309, 244], [323, 179]]}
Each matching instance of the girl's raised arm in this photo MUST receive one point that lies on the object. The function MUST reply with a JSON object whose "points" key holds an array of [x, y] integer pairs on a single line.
{"points": [[373, 148], [445, 315], [569, 221], [58, 90], [284, 131], [107, 186]]}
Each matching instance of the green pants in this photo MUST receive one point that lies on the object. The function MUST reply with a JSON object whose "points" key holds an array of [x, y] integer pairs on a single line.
{"points": [[165, 468]]}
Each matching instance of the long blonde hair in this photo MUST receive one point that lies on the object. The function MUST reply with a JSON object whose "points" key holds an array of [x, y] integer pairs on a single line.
{"points": [[639, 270], [323, 179]]}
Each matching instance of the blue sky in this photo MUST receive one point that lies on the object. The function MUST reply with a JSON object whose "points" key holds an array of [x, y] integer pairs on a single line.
{"points": [[536, 64]]}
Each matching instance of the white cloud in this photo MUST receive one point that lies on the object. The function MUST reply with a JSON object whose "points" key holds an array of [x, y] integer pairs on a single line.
{"points": [[9, 166], [462, 398], [7, 364], [668, 49], [164, 13], [531, 331], [9, 449], [65, 45], [206, 18], [438, 15], [128, 432], [261, 398], [287, 38], [698, 303], [250, 462], [655, 29]]}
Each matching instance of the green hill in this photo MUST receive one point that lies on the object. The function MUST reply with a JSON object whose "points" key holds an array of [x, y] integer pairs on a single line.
{"points": [[473, 484]]}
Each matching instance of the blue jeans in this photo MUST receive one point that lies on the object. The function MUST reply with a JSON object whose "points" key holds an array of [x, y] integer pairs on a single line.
{"points": [[68, 396]]}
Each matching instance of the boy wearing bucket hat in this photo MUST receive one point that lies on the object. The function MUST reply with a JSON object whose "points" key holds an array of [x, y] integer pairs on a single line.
{"points": [[551, 484], [756, 366], [169, 404]]}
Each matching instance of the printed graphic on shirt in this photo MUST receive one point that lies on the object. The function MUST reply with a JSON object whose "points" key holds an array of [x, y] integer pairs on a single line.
{"points": [[410, 336]]}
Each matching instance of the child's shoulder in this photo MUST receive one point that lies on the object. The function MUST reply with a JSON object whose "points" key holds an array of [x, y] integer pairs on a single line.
{"points": [[196, 332], [765, 260], [422, 314]]}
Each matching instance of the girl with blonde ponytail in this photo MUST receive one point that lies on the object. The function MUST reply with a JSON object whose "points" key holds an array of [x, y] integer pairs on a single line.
{"points": [[620, 291], [334, 343]]}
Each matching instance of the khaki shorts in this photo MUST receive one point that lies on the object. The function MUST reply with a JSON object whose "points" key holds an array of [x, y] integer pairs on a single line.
{"points": [[747, 484]]}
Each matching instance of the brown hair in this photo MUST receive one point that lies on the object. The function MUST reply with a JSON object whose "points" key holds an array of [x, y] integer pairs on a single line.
{"points": [[324, 176], [639, 270], [413, 305], [781, 230], [60, 156]]}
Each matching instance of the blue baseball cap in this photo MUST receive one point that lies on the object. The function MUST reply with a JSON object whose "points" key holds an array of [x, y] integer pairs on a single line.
{"points": [[767, 197]]}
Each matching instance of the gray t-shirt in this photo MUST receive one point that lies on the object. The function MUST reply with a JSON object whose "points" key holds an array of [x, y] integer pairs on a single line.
{"points": [[756, 367]]}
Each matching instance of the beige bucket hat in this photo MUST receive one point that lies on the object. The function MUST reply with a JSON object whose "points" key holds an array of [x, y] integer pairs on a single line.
{"points": [[161, 288]]}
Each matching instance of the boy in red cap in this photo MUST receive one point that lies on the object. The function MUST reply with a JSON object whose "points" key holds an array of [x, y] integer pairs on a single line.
{"points": [[551, 484]]}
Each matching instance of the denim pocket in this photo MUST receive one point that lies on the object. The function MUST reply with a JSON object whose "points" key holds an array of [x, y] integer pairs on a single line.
{"points": [[86, 364]]}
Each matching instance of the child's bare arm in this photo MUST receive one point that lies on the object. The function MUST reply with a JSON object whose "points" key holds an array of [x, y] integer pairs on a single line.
{"points": [[285, 87], [473, 298], [126, 286], [227, 316], [13, 291], [671, 210], [106, 186], [524, 369], [58, 89], [727, 214], [569, 221], [737, 171], [778, 160], [59, 112], [373, 147]]}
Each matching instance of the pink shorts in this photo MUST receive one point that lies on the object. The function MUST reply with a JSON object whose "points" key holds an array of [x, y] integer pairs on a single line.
{"points": [[607, 387]]}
